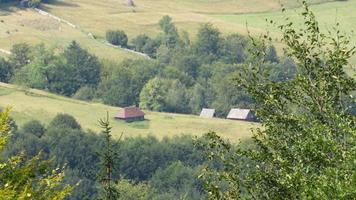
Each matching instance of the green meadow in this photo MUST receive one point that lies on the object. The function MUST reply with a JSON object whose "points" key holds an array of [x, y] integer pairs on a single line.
{"points": [[26, 25], [328, 15], [30, 104]]}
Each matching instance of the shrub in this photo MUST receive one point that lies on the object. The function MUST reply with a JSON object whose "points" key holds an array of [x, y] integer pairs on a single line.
{"points": [[139, 42], [129, 190], [85, 93], [117, 37], [34, 127], [65, 120]]}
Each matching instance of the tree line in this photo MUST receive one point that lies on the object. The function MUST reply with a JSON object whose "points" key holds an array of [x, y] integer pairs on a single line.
{"points": [[184, 77], [143, 168]]}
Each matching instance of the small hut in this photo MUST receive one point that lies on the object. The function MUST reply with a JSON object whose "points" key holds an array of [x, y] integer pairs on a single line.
{"points": [[130, 114], [241, 114], [207, 113]]}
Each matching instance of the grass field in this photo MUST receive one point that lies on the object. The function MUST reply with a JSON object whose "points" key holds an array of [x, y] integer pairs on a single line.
{"points": [[34, 104], [31, 27], [99, 16], [327, 14]]}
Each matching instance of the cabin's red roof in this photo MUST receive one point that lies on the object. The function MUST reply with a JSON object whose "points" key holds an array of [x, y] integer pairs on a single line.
{"points": [[129, 112]]}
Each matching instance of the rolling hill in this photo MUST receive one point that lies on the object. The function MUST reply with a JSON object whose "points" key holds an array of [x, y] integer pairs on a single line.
{"points": [[98, 16], [30, 104]]}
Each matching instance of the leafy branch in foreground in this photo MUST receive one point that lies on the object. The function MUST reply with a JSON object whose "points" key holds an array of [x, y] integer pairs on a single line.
{"points": [[32, 179], [305, 148]]}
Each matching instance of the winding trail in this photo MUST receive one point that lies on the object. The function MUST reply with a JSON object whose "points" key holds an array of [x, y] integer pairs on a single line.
{"points": [[5, 51], [89, 34]]}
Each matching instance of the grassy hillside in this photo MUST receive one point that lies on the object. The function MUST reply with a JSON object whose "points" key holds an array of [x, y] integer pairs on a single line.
{"points": [[328, 14], [34, 104], [98, 16], [29, 26]]}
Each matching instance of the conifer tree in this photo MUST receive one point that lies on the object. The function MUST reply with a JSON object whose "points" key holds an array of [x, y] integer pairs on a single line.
{"points": [[109, 191]]}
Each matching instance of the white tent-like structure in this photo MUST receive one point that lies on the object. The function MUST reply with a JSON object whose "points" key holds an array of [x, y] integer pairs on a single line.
{"points": [[241, 114], [207, 113]]}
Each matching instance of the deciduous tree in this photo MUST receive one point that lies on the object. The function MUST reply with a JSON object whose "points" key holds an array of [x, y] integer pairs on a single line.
{"points": [[306, 146]]}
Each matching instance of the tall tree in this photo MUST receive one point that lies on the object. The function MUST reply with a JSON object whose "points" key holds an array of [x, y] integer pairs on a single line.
{"points": [[20, 55], [197, 99], [176, 98], [208, 42], [109, 192], [36, 73], [171, 36], [84, 67], [305, 148], [152, 96]]}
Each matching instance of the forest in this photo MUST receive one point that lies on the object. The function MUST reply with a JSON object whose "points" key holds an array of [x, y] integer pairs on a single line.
{"points": [[145, 167]]}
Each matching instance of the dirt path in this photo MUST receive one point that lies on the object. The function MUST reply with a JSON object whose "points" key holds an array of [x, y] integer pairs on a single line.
{"points": [[5, 51]]}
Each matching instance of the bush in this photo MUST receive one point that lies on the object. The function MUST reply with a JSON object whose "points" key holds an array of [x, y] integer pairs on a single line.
{"points": [[151, 46], [117, 37], [65, 120], [85, 93], [178, 179], [139, 42], [129, 190], [34, 127]]}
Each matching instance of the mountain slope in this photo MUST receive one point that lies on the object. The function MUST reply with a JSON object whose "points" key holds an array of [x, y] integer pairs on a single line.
{"points": [[98, 16]]}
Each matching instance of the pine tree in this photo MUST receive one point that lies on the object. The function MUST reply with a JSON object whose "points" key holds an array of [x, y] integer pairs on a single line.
{"points": [[107, 163]]}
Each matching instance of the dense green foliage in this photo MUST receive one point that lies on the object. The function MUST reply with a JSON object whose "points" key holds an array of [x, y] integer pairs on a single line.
{"points": [[31, 179], [65, 74], [306, 147], [121, 84], [6, 70], [117, 37], [161, 169], [63, 120], [131, 191], [20, 55]]}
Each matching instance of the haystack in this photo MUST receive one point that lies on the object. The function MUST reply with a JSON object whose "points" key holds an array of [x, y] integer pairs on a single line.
{"points": [[130, 3]]}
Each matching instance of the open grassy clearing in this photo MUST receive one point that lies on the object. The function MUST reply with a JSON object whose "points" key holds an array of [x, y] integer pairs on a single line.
{"points": [[328, 14], [29, 26], [99, 16], [30, 104]]}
